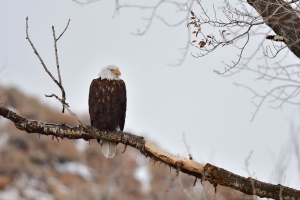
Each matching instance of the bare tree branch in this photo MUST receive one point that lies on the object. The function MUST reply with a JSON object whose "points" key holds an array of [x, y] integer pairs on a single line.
{"points": [[85, 2], [58, 83], [241, 25], [182, 7], [280, 16], [57, 63], [213, 174], [63, 30], [66, 106], [237, 26]]}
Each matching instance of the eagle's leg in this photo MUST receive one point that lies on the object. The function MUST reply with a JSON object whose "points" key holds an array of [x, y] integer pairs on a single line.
{"points": [[108, 148]]}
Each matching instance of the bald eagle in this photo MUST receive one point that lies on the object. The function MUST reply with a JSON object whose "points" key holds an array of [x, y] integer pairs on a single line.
{"points": [[107, 105]]}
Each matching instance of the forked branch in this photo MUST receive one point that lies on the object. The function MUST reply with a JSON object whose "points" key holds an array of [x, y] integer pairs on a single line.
{"points": [[59, 82]]}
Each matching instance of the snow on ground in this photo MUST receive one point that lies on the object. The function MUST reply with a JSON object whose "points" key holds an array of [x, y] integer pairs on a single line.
{"points": [[142, 174], [26, 187], [10, 193], [75, 168], [3, 139]]}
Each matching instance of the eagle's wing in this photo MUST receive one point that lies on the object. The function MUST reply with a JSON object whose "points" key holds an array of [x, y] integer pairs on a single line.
{"points": [[95, 95], [123, 102]]}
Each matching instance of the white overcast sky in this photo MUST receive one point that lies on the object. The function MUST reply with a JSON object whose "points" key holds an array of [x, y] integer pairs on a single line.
{"points": [[164, 102]]}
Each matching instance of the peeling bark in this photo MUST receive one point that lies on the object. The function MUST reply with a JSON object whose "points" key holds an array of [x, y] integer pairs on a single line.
{"points": [[65, 131], [213, 174]]}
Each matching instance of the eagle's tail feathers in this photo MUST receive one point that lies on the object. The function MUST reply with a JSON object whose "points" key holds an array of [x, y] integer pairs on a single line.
{"points": [[108, 148]]}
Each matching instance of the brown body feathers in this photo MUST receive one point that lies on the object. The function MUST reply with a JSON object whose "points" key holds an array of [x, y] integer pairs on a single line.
{"points": [[107, 104]]}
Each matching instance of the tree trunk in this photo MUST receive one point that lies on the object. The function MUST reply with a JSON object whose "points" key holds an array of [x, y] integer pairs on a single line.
{"points": [[282, 19]]}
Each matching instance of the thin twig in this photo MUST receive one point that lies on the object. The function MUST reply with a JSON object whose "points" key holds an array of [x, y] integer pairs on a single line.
{"points": [[64, 30], [38, 55], [57, 63], [67, 107], [58, 83]]}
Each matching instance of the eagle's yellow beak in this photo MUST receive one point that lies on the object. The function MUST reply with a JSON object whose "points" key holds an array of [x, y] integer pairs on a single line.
{"points": [[117, 72]]}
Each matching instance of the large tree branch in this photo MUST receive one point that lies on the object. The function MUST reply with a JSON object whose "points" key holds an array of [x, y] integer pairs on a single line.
{"points": [[79, 132], [213, 174], [282, 19]]}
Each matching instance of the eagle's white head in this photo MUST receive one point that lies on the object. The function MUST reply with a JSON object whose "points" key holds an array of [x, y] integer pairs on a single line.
{"points": [[110, 72]]}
